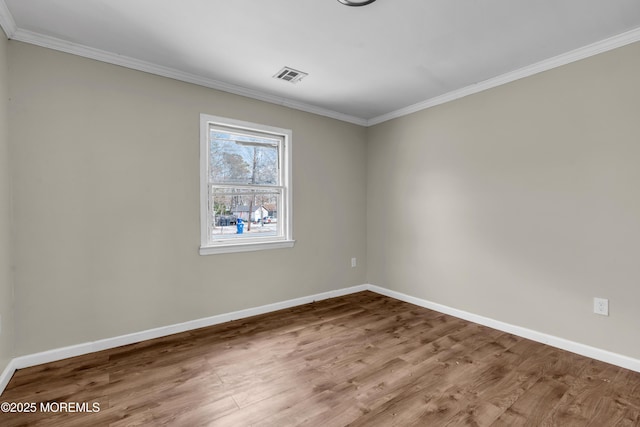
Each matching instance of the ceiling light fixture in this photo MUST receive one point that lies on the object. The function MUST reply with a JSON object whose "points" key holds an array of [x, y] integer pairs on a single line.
{"points": [[356, 2]]}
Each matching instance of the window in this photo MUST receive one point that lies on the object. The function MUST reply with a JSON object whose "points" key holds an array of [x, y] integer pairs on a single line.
{"points": [[245, 186]]}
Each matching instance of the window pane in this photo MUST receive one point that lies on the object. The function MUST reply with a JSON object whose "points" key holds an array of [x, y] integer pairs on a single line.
{"points": [[258, 210], [236, 158], [244, 175]]}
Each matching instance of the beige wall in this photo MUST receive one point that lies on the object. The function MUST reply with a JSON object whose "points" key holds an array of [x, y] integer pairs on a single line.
{"points": [[107, 205], [6, 288], [520, 203]]}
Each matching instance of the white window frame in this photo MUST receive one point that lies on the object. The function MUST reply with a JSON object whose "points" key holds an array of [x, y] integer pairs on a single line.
{"points": [[285, 240]]}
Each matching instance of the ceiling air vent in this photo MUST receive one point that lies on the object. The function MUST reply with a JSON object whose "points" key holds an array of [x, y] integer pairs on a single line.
{"points": [[290, 75]]}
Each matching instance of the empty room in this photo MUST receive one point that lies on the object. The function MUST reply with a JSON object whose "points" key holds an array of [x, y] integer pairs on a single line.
{"points": [[320, 213]]}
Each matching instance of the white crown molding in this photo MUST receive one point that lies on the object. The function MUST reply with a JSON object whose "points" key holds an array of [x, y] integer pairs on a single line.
{"points": [[548, 64], [8, 24], [6, 20], [148, 67]]}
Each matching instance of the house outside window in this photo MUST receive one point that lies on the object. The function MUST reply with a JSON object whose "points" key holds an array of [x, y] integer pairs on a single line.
{"points": [[245, 186]]}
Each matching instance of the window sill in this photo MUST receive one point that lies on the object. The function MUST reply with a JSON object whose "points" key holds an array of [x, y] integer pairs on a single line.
{"points": [[245, 247]]}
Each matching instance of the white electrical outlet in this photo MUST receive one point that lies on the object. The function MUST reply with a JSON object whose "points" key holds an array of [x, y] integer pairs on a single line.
{"points": [[601, 306], [354, 262]]}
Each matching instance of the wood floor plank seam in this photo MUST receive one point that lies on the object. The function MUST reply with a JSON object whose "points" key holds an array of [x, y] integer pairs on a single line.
{"points": [[362, 359]]}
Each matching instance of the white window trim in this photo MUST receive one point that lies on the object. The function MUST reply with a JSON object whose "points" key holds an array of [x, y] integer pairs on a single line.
{"points": [[228, 246]]}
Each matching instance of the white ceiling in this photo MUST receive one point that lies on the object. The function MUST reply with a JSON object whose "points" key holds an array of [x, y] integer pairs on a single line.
{"points": [[365, 64]]}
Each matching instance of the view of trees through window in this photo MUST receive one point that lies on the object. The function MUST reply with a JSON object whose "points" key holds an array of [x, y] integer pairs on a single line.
{"points": [[244, 177]]}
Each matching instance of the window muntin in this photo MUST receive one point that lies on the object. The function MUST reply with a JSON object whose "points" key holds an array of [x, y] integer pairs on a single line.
{"points": [[237, 158], [245, 174]]}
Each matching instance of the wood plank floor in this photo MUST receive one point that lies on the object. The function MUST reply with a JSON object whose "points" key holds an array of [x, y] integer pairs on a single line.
{"points": [[359, 360]]}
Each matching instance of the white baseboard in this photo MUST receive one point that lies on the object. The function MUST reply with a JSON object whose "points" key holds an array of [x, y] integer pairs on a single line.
{"points": [[6, 375], [93, 346], [99, 345], [561, 343]]}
